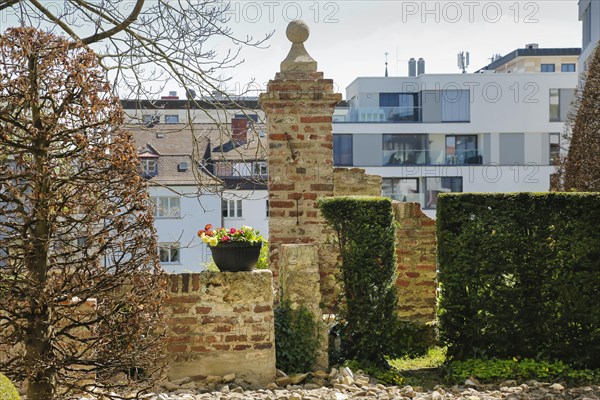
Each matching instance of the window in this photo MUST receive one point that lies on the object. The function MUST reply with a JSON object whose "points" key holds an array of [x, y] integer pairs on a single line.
{"points": [[150, 120], [342, 149], [149, 166], [462, 149], [172, 119], [168, 253], [456, 106], [166, 207], [435, 186], [259, 168], [554, 105], [587, 26], [567, 67], [232, 208], [554, 148], [400, 106], [405, 149], [547, 68], [401, 189]]}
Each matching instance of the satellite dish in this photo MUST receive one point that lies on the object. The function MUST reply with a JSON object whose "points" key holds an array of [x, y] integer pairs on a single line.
{"points": [[190, 94]]}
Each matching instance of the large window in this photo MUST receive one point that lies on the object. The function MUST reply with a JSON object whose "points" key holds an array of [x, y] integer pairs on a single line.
{"points": [[405, 149], [567, 67], [169, 253], [342, 149], [437, 185], [554, 105], [456, 106], [462, 149], [554, 148], [401, 189], [166, 207], [548, 68], [400, 106], [232, 208]]}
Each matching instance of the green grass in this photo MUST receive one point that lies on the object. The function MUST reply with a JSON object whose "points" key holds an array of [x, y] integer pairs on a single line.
{"points": [[422, 371]]}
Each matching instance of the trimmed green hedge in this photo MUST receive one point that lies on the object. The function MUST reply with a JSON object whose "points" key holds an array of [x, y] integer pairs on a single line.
{"points": [[520, 276], [7, 389], [366, 234]]}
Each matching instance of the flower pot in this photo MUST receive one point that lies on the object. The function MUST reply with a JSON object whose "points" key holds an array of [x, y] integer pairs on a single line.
{"points": [[236, 256]]}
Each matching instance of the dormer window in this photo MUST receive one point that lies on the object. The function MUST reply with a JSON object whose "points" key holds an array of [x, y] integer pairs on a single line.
{"points": [[149, 167]]}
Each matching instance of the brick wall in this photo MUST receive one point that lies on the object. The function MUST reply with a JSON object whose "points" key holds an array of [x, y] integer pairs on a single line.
{"points": [[416, 250], [354, 181], [221, 323]]}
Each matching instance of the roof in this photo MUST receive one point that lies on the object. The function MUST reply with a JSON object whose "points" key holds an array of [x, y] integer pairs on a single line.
{"points": [[184, 104], [200, 145], [569, 51]]}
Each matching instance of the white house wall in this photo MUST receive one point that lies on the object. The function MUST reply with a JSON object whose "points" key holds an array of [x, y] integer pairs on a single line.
{"points": [[195, 214]]}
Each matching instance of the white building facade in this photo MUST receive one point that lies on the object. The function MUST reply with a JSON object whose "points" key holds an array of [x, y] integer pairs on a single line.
{"points": [[589, 15], [432, 134], [199, 172]]}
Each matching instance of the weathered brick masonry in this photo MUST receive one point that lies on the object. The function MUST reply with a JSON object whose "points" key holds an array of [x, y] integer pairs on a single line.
{"points": [[221, 323], [416, 250], [299, 105]]}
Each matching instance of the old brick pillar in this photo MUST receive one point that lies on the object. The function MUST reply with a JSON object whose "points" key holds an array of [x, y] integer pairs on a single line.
{"points": [[298, 105]]}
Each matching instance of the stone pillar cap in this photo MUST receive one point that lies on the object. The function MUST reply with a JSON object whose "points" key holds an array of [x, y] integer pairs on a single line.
{"points": [[298, 58]]}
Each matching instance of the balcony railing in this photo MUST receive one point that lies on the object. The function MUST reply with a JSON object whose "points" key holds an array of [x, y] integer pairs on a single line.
{"points": [[385, 114], [464, 157], [431, 157]]}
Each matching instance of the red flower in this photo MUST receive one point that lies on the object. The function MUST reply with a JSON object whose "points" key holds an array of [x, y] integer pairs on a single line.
{"points": [[200, 232], [232, 231], [208, 227], [225, 238]]}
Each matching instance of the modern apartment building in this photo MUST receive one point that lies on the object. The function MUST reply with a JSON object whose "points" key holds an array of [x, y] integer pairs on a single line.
{"points": [[199, 173], [440, 133], [589, 15]]}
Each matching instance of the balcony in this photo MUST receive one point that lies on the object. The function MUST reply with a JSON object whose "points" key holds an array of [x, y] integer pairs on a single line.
{"points": [[431, 157], [385, 114]]}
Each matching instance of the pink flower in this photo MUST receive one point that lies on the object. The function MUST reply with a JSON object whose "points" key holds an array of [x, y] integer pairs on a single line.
{"points": [[225, 238], [232, 231]]}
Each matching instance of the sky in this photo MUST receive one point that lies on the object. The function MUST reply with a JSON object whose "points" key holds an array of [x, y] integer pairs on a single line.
{"points": [[349, 38]]}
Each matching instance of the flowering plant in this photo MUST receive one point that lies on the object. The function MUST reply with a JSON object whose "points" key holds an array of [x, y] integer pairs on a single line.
{"points": [[213, 237]]}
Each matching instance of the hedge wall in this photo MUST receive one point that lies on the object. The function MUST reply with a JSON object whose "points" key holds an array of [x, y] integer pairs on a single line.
{"points": [[366, 234], [520, 276]]}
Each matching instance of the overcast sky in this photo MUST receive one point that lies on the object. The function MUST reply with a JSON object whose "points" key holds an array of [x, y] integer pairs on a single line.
{"points": [[349, 38]]}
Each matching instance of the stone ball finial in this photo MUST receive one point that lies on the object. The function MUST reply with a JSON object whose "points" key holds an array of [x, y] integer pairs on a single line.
{"points": [[297, 31]]}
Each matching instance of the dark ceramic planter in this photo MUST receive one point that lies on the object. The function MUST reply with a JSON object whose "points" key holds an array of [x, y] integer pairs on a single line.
{"points": [[236, 256]]}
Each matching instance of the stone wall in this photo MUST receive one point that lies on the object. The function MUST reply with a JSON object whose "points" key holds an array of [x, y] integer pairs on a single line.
{"points": [[300, 285], [416, 250], [221, 323], [354, 181]]}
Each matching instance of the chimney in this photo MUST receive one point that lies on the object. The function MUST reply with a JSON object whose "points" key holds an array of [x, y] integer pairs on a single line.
{"points": [[239, 129], [412, 67], [420, 66]]}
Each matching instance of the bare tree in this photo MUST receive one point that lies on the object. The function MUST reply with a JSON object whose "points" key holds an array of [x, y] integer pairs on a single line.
{"points": [[145, 43], [580, 169], [80, 286]]}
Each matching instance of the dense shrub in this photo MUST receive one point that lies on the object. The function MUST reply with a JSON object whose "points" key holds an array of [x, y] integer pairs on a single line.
{"points": [[486, 371], [296, 338], [7, 389], [520, 276], [366, 235]]}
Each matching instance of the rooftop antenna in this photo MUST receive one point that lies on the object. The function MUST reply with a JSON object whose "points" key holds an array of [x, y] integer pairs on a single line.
{"points": [[463, 61], [386, 71]]}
